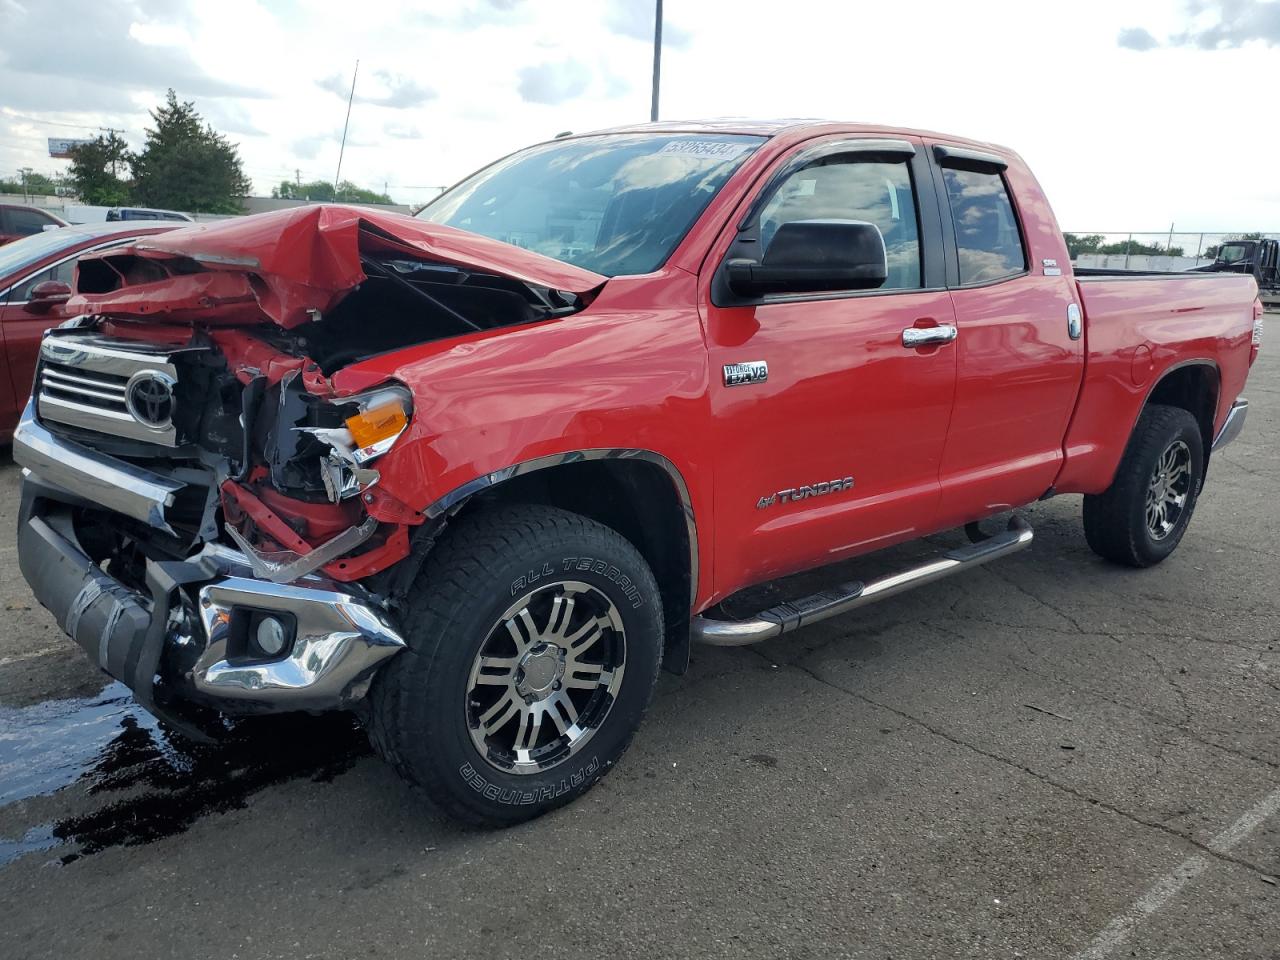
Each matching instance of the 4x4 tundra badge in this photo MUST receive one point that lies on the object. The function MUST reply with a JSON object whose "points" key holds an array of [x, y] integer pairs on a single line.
{"points": [[805, 492], [750, 371]]}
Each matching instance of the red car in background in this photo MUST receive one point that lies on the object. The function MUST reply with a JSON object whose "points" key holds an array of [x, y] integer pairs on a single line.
{"points": [[18, 221], [35, 283]]}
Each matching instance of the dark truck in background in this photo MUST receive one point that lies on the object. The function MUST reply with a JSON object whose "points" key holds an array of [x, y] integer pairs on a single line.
{"points": [[478, 475], [1259, 258]]}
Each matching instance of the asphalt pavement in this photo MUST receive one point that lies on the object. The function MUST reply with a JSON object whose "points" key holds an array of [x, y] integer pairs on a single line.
{"points": [[1049, 757]]}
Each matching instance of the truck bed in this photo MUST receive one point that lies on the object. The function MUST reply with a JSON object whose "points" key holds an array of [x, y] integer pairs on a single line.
{"points": [[1138, 324], [1094, 273]]}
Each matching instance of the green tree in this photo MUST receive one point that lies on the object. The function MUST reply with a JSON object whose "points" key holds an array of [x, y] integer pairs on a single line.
{"points": [[187, 165], [321, 191], [1082, 243], [37, 184], [1138, 248], [93, 172]]}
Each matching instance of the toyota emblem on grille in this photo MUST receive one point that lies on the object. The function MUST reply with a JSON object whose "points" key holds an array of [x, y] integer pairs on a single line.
{"points": [[149, 397]]}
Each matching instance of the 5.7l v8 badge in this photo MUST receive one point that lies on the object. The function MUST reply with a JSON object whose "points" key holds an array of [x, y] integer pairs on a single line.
{"points": [[750, 371]]}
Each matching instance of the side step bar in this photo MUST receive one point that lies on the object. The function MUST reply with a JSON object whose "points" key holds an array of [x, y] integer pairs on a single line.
{"points": [[793, 614]]}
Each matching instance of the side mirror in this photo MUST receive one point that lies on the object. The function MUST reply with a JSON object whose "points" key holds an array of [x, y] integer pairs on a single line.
{"points": [[45, 295], [809, 256]]}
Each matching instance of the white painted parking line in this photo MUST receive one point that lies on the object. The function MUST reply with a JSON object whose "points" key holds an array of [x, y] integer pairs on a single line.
{"points": [[1167, 887]]}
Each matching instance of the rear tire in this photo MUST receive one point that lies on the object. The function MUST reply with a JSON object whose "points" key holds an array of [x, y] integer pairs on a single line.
{"points": [[1140, 519], [534, 641]]}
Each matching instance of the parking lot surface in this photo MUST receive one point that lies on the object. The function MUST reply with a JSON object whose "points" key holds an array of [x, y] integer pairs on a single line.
{"points": [[1047, 757]]}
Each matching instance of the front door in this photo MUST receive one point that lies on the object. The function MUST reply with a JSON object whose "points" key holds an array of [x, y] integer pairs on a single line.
{"points": [[836, 450], [22, 325]]}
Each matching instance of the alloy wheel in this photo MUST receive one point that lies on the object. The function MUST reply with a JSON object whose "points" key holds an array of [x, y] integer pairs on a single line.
{"points": [[545, 677], [1168, 490]]}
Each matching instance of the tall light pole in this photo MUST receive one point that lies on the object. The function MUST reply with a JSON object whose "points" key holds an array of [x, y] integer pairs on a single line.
{"points": [[657, 58], [346, 123]]}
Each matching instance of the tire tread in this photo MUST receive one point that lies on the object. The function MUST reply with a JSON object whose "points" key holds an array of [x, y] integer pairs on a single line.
{"points": [[453, 580], [1109, 526]]}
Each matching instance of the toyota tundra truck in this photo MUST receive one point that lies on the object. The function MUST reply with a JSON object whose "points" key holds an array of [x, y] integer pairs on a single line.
{"points": [[477, 475]]}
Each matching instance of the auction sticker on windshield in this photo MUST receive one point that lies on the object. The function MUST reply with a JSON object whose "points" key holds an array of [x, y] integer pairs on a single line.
{"points": [[716, 149]]}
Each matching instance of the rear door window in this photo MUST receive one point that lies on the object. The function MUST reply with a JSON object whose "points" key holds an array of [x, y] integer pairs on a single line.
{"points": [[988, 241]]}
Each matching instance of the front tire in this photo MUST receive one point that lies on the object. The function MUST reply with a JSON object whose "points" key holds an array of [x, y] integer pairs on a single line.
{"points": [[534, 641], [1140, 519]]}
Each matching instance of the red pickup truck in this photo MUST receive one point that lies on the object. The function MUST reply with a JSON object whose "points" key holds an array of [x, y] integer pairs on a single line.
{"points": [[476, 475]]}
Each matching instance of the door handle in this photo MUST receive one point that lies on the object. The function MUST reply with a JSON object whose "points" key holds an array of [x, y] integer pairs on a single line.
{"points": [[928, 336], [1075, 326]]}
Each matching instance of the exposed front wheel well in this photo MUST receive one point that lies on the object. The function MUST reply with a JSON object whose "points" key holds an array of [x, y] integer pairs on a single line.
{"points": [[639, 500]]}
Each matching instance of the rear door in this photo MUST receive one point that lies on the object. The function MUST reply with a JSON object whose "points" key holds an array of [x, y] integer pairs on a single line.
{"points": [[1019, 345], [828, 431]]}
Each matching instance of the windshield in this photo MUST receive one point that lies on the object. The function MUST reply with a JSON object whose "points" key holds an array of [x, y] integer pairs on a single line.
{"points": [[614, 204], [1235, 252], [21, 253]]}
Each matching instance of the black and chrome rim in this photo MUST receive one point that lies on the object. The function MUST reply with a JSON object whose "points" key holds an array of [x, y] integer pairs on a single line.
{"points": [[546, 677], [1168, 490]]}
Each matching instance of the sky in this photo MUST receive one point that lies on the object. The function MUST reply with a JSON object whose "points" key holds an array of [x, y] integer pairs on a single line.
{"points": [[1134, 114]]}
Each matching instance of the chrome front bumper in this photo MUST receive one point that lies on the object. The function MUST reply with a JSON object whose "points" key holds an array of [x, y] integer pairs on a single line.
{"points": [[339, 640], [340, 634], [94, 476], [1234, 423]]}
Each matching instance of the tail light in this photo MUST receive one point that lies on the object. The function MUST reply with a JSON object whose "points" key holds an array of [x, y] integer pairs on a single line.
{"points": [[1257, 331]]}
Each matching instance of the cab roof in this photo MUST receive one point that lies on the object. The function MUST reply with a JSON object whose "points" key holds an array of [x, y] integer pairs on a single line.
{"points": [[797, 128]]}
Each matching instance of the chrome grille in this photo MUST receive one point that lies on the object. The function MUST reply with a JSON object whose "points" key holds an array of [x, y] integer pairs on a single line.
{"points": [[86, 380], [96, 389]]}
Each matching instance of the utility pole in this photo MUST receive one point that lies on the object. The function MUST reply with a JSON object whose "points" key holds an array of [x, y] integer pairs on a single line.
{"points": [[657, 58], [25, 172], [342, 148]]}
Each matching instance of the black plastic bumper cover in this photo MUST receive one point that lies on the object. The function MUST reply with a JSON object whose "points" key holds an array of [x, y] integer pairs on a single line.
{"points": [[121, 629]]}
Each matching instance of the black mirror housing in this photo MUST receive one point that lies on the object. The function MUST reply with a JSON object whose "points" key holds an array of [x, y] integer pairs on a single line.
{"points": [[813, 256]]}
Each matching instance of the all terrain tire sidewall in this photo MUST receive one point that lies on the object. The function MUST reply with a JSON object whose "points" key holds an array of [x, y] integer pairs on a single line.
{"points": [[1154, 445], [598, 557]]}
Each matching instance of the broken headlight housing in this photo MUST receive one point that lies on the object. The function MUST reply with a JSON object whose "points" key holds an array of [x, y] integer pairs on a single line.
{"points": [[354, 431]]}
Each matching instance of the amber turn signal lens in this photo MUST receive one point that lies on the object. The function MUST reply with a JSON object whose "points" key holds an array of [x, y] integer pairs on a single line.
{"points": [[377, 423]]}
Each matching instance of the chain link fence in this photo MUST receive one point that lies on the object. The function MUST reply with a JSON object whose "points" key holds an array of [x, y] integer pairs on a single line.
{"points": [[1148, 250]]}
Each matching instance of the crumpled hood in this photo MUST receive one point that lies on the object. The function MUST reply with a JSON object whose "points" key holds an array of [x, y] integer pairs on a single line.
{"points": [[287, 264]]}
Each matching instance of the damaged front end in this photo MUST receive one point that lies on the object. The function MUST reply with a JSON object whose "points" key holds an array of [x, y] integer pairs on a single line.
{"points": [[201, 507]]}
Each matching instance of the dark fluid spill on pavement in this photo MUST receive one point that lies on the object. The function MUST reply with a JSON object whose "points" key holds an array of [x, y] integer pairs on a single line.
{"points": [[144, 781]]}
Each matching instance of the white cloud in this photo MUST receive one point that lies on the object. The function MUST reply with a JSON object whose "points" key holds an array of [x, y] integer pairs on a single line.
{"points": [[383, 89], [634, 19], [1232, 23], [553, 82], [1136, 38], [402, 131], [160, 34], [1126, 141]]}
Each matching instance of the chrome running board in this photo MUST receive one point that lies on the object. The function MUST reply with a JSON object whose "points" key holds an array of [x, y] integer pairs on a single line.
{"points": [[793, 614]]}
